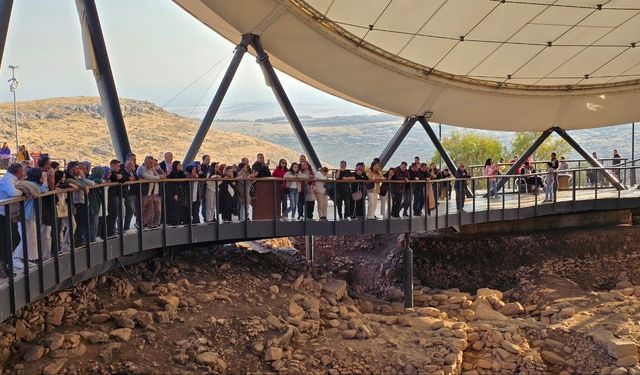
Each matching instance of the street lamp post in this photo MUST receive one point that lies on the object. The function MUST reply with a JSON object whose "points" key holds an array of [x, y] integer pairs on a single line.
{"points": [[13, 87]]}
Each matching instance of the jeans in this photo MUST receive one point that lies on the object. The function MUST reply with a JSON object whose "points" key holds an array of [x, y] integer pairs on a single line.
{"points": [[344, 198], [129, 210], [283, 202], [114, 209], [293, 203], [383, 204], [549, 190], [492, 188], [80, 234], [372, 197], [151, 210], [93, 227]]}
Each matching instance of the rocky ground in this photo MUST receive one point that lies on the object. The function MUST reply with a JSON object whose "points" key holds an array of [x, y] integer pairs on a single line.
{"points": [[231, 310]]}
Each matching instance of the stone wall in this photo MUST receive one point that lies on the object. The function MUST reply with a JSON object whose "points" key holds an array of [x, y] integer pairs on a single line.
{"points": [[595, 258]]}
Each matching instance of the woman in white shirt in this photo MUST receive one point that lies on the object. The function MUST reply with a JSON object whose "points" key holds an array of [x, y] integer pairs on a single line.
{"points": [[321, 190], [293, 187]]}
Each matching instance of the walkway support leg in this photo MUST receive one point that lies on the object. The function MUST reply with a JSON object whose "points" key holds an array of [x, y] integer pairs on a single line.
{"points": [[397, 139], [283, 100], [444, 155], [198, 139], [5, 16], [595, 163], [514, 168], [97, 59], [408, 272], [308, 249]]}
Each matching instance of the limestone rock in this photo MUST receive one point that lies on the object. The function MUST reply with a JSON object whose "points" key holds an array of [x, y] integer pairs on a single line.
{"points": [[335, 289], [54, 341], [511, 308], [99, 318], [552, 357], [295, 310], [620, 348], [54, 316], [122, 322], [486, 292], [484, 312], [54, 367], [211, 359], [121, 334], [33, 353], [273, 354], [169, 300]]}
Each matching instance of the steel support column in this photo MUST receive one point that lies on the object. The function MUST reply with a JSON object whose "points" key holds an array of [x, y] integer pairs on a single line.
{"points": [[397, 139], [98, 60], [308, 249], [283, 100], [595, 163], [514, 168], [408, 272], [198, 139], [444, 155], [5, 16]]}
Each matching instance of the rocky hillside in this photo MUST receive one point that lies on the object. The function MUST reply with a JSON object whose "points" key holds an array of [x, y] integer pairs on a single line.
{"points": [[75, 129]]}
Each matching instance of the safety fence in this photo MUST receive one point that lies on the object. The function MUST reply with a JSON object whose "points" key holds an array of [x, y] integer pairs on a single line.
{"points": [[48, 240]]}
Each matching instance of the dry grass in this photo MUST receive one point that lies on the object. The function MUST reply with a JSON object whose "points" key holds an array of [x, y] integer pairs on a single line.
{"points": [[73, 129]]}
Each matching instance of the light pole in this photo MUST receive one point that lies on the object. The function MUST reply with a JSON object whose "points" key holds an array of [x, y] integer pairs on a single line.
{"points": [[13, 87]]}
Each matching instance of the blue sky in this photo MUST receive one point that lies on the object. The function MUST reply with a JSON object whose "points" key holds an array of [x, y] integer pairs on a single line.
{"points": [[155, 48]]}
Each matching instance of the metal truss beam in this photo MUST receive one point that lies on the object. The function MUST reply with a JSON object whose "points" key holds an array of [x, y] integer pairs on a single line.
{"points": [[5, 16], [514, 168], [594, 163], [283, 100], [198, 139], [397, 139], [97, 60], [444, 155]]}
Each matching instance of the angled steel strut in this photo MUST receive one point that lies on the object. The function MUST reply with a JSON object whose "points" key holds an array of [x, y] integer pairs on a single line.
{"points": [[402, 133], [97, 59], [5, 16], [564, 135], [272, 80]]}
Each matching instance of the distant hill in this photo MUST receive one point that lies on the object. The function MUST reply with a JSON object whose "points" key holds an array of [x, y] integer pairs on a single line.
{"points": [[74, 128]]}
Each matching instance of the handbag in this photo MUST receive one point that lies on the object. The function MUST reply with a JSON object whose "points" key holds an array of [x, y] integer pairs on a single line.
{"points": [[356, 195]]}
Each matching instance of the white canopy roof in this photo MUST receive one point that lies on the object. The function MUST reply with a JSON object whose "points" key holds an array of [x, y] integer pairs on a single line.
{"points": [[489, 64]]}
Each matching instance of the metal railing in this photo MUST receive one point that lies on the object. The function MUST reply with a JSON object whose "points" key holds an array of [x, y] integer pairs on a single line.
{"points": [[61, 235]]}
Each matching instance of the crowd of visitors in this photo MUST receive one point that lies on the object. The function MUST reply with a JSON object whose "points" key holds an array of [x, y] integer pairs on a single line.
{"points": [[206, 191]]}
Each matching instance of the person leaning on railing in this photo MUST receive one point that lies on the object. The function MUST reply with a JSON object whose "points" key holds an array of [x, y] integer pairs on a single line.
{"points": [[385, 192], [321, 193], [15, 172], [114, 200], [279, 171], [358, 191], [227, 193], [32, 187], [151, 204], [211, 193], [177, 196], [75, 175]]}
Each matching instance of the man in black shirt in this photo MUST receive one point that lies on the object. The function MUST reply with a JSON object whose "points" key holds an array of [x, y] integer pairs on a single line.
{"points": [[261, 167], [344, 190], [114, 199]]}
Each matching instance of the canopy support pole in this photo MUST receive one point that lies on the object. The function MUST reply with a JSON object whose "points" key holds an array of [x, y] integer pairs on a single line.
{"points": [[90, 23], [397, 139], [408, 272], [444, 155], [5, 16], [283, 100], [205, 125], [594, 163], [514, 168]]}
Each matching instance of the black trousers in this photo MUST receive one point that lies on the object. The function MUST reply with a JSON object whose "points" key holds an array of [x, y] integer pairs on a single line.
{"points": [[310, 205], [6, 250], [81, 231], [112, 213], [344, 199], [195, 212]]}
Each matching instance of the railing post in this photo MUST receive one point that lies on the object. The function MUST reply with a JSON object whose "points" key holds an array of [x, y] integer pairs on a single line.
{"points": [[72, 232], [163, 190], [38, 216], [87, 232], [9, 257], [308, 249], [55, 238], [105, 196], [25, 253]]}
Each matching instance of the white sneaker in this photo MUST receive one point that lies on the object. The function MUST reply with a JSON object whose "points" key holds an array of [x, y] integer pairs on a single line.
{"points": [[18, 263]]}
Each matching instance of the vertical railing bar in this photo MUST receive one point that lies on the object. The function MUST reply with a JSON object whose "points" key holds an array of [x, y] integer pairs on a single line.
{"points": [[9, 256], [140, 214], [121, 215], [163, 189], [37, 206], [190, 222], [88, 228], [72, 234], [276, 194], [105, 248], [25, 254], [55, 237]]}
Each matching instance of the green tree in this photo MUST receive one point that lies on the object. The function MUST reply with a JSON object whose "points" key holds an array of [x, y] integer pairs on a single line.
{"points": [[523, 140], [471, 147]]}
